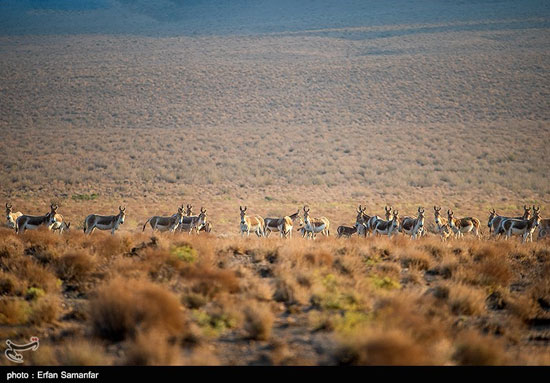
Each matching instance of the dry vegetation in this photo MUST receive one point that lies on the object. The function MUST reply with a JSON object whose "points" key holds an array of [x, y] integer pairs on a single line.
{"points": [[404, 115], [334, 118], [181, 300]]}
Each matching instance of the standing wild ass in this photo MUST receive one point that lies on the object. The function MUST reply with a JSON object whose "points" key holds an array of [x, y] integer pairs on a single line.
{"points": [[11, 217], [413, 226], [495, 221], [32, 222], [463, 225], [387, 227], [104, 222], [312, 226], [523, 227], [193, 222], [251, 224], [283, 225], [440, 222], [161, 223], [372, 221]]}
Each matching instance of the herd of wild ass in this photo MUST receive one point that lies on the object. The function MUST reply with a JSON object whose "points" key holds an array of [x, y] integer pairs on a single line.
{"points": [[308, 226]]}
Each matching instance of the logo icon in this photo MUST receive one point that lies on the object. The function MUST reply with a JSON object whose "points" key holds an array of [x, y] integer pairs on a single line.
{"points": [[12, 350]]}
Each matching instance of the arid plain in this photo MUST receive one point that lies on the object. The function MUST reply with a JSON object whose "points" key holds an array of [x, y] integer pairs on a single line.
{"points": [[453, 114]]}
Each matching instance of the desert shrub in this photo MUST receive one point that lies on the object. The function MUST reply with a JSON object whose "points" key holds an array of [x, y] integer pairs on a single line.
{"points": [[415, 259], [121, 307], [258, 321], [75, 266], [494, 272], [10, 246], [215, 321], [184, 253], [466, 300], [476, 350], [285, 291], [386, 282], [14, 311], [81, 352], [45, 310], [382, 348], [210, 281], [151, 348], [30, 274], [10, 284], [34, 293]]}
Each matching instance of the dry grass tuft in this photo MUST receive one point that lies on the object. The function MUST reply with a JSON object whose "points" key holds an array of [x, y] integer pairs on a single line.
{"points": [[383, 348], [258, 321], [75, 266], [466, 300], [152, 348], [475, 350], [122, 308]]}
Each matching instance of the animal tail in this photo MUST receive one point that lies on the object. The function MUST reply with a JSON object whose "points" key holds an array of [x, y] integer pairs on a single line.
{"points": [[85, 225], [145, 224]]}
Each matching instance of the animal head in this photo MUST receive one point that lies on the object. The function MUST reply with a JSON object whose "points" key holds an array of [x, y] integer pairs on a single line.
{"points": [[526, 212], [52, 213], [9, 208], [188, 210], [243, 212], [202, 218], [179, 214], [420, 212], [121, 214], [388, 212], [437, 215], [306, 214], [360, 214], [492, 215], [395, 218], [450, 215], [536, 215]]}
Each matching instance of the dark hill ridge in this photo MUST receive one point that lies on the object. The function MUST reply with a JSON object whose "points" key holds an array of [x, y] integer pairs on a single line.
{"points": [[175, 18]]}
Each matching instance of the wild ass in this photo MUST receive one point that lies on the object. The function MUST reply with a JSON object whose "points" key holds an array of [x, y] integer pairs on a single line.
{"points": [[495, 221], [463, 225], [282, 225], [361, 222], [56, 219], [161, 223], [445, 232], [312, 226], [413, 226], [388, 227], [104, 222], [347, 231], [32, 222], [193, 222], [372, 221], [522, 226], [63, 226], [251, 224], [11, 217], [439, 220]]}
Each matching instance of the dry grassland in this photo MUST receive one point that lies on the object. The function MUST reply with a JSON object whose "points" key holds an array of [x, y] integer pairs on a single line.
{"points": [[137, 299]]}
